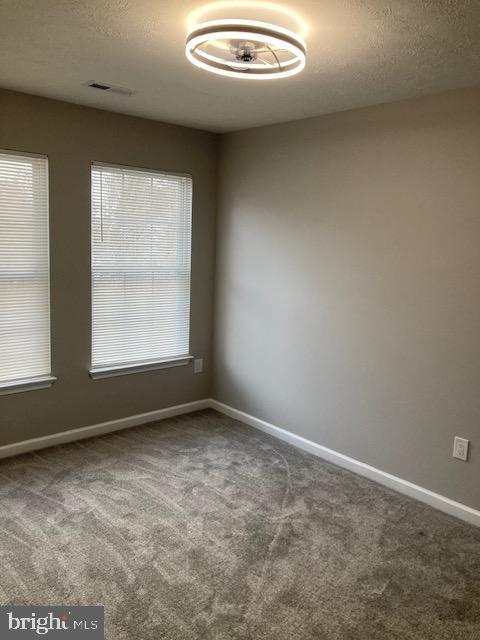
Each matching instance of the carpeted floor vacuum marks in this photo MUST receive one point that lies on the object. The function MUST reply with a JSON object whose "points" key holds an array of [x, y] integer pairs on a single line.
{"points": [[202, 527]]}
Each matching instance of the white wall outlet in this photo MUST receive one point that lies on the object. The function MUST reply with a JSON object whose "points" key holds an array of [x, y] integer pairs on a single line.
{"points": [[460, 448], [198, 365]]}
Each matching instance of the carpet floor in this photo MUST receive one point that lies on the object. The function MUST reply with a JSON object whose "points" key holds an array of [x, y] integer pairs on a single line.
{"points": [[199, 527]]}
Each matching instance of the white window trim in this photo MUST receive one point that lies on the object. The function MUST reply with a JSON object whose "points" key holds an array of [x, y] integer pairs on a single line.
{"points": [[98, 373], [27, 384], [43, 381], [139, 367]]}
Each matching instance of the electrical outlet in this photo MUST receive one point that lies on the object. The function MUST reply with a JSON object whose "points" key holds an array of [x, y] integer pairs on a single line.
{"points": [[198, 365], [460, 448]]}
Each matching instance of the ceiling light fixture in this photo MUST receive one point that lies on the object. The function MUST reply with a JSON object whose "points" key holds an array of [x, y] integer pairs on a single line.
{"points": [[246, 49]]}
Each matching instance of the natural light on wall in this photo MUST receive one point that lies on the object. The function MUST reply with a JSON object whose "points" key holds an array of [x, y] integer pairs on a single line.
{"points": [[24, 272], [141, 245]]}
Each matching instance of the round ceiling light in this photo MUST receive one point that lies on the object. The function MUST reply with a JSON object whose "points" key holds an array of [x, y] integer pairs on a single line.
{"points": [[246, 49]]}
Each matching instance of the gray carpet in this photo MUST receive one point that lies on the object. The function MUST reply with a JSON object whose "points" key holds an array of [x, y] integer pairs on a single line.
{"points": [[201, 527]]}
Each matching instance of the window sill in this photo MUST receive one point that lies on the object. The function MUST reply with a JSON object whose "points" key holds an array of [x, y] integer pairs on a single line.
{"points": [[125, 370], [28, 384]]}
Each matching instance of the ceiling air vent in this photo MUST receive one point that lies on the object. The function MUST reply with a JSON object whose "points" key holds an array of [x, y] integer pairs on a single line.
{"points": [[96, 85], [100, 86]]}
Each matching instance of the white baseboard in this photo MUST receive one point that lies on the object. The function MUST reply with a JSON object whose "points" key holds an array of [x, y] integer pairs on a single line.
{"points": [[382, 477], [435, 500], [99, 429]]}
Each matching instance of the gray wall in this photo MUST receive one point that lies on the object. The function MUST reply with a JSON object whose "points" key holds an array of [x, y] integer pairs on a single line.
{"points": [[348, 273], [348, 284], [72, 137]]}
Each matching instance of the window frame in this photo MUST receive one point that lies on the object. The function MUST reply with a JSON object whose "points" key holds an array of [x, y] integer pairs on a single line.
{"points": [[41, 381], [114, 370]]}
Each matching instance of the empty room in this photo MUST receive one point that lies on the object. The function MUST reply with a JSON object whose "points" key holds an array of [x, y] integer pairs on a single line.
{"points": [[240, 319]]}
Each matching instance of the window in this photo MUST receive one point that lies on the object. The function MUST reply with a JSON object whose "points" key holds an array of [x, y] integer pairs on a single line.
{"points": [[24, 273], [141, 239]]}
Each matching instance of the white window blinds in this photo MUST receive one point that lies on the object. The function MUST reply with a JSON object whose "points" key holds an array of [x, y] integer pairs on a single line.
{"points": [[24, 269], [141, 245]]}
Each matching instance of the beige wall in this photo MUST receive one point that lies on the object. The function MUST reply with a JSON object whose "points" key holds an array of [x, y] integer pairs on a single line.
{"points": [[72, 137], [348, 284]]}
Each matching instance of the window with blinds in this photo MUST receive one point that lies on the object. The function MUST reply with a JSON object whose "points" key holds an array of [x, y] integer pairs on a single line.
{"points": [[141, 246], [24, 270]]}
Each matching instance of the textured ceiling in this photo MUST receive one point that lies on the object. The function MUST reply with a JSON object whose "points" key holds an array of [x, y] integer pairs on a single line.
{"points": [[360, 52]]}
